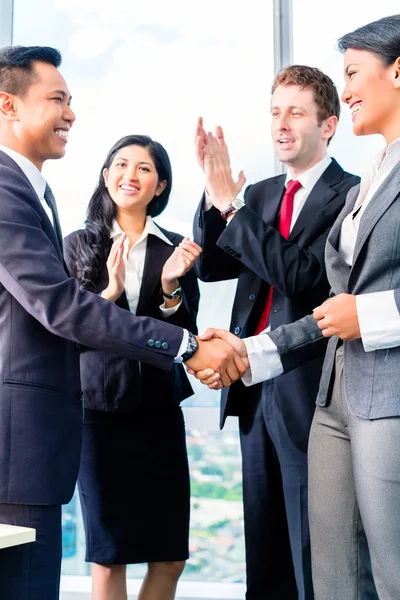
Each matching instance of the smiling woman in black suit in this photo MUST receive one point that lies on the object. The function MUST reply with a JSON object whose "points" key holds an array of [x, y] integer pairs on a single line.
{"points": [[134, 481]]}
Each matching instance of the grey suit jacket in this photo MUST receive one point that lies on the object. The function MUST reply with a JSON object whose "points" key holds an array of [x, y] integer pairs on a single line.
{"points": [[372, 379]]}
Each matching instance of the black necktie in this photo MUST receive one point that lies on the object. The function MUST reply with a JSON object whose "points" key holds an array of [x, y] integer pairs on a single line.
{"points": [[51, 201]]}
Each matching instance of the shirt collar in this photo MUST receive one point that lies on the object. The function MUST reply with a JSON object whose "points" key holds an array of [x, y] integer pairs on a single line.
{"points": [[392, 150], [310, 177], [30, 171], [149, 228]]}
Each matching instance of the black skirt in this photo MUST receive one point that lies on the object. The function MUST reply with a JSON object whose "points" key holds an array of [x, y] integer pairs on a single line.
{"points": [[134, 486]]}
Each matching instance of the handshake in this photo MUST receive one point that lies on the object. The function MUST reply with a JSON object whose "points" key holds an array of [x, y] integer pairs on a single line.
{"points": [[220, 359]]}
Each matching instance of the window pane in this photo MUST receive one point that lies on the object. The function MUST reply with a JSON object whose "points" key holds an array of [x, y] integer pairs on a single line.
{"points": [[315, 44], [154, 72]]}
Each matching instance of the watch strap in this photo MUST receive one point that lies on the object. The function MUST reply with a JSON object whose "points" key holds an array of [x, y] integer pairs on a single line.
{"points": [[174, 295], [191, 348]]}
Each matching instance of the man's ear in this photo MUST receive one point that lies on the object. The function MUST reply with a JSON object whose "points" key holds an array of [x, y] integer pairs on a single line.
{"points": [[329, 127], [8, 106]]}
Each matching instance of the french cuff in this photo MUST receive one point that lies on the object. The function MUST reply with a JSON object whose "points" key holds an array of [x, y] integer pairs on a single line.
{"points": [[265, 362], [379, 320], [168, 312], [183, 346]]}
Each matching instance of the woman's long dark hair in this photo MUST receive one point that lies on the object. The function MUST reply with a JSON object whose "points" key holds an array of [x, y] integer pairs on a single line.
{"points": [[94, 241]]}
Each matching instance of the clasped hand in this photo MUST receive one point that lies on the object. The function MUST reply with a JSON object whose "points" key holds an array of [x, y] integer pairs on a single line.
{"points": [[338, 316], [220, 360]]}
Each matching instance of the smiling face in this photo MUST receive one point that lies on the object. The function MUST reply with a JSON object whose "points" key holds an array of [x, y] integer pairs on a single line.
{"points": [[38, 122], [373, 94], [300, 139], [132, 179]]}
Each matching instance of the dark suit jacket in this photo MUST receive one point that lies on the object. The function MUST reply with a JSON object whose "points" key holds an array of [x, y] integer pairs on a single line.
{"points": [[251, 249], [43, 316], [113, 383]]}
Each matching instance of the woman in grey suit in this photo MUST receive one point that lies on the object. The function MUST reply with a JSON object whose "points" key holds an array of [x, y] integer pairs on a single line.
{"points": [[354, 449]]}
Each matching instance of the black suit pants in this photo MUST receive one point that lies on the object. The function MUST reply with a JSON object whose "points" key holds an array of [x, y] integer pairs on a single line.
{"points": [[32, 571], [278, 561]]}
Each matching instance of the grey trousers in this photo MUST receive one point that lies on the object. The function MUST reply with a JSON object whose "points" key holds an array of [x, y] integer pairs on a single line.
{"points": [[354, 502]]}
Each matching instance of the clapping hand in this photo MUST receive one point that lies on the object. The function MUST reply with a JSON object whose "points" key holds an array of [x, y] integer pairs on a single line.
{"points": [[213, 157], [116, 270], [179, 263], [211, 376]]}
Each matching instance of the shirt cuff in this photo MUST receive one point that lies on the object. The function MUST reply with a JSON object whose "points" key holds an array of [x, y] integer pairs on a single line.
{"points": [[379, 320], [265, 362], [207, 201], [168, 312], [182, 347]]}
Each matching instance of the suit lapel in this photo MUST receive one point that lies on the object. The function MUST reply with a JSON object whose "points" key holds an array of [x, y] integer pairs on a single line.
{"points": [[320, 195], [385, 195], [334, 234], [157, 253], [272, 200], [10, 162], [338, 271]]}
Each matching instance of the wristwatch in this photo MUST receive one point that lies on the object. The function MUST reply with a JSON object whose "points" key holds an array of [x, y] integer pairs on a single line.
{"points": [[235, 205], [191, 348], [175, 294]]}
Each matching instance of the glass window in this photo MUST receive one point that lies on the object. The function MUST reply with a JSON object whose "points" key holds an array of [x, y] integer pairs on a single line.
{"points": [[154, 70]]}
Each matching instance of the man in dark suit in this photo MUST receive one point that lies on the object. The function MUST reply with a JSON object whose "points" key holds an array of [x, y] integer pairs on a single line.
{"points": [[44, 319], [274, 244]]}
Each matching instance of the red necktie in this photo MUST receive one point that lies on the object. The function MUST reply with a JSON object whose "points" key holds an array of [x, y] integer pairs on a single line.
{"points": [[285, 220]]}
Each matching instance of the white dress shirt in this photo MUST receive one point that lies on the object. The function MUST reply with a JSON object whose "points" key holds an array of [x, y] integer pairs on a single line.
{"points": [[134, 259], [377, 312], [33, 175]]}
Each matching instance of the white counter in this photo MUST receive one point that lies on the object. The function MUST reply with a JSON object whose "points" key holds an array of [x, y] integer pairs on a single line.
{"points": [[11, 535]]}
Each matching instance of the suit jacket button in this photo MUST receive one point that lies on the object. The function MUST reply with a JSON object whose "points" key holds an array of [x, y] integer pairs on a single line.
{"points": [[165, 346], [80, 395], [150, 343], [237, 330], [78, 347], [157, 344], [252, 297]]}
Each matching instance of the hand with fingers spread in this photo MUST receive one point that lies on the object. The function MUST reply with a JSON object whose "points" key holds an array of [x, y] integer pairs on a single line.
{"points": [[179, 263], [220, 185], [338, 316], [116, 270], [210, 376]]}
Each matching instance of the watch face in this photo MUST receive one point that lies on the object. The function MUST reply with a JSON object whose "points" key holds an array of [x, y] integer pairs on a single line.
{"points": [[237, 203]]}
